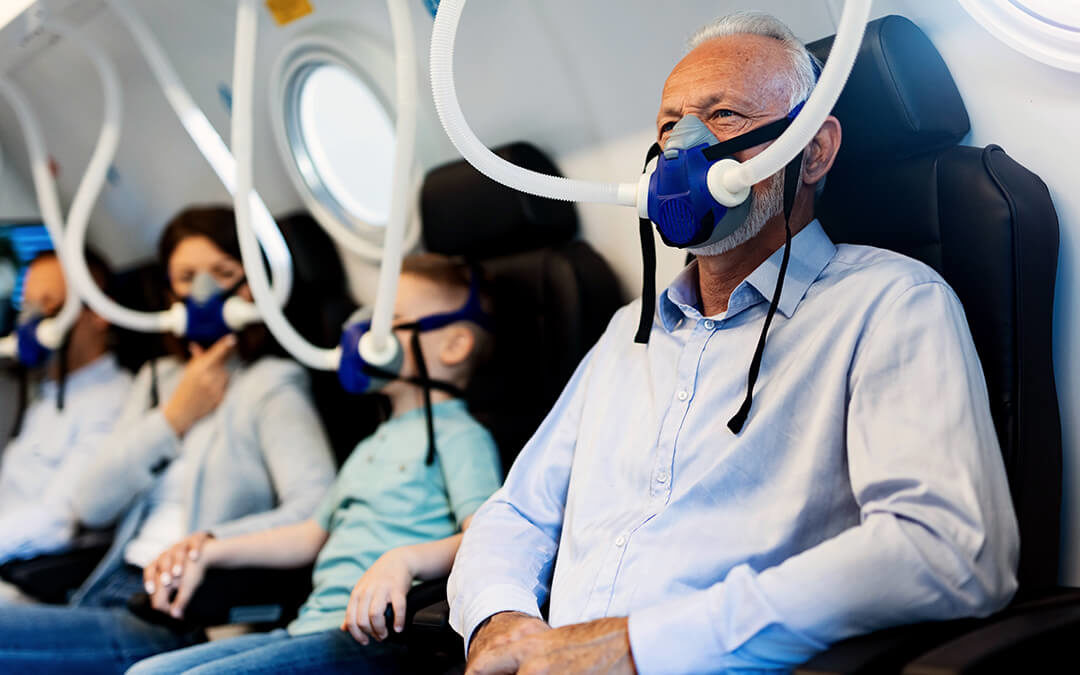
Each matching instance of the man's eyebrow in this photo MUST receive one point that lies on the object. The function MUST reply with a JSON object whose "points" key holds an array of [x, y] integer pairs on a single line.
{"points": [[707, 102]]}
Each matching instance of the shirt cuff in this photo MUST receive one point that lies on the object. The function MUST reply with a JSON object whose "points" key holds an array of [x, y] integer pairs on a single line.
{"points": [[657, 632], [491, 601]]}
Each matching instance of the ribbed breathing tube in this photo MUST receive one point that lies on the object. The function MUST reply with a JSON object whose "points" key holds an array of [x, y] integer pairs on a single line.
{"points": [[210, 144], [377, 345], [50, 332], [732, 180], [247, 21]]}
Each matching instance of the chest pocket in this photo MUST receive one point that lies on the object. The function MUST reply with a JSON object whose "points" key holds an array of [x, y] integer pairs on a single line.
{"points": [[396, 478]]}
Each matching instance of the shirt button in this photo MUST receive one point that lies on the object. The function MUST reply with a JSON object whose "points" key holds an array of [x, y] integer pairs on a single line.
{"points": [[620, 541], [370, 459], [662, 477], [683, 395], [710, 324]]}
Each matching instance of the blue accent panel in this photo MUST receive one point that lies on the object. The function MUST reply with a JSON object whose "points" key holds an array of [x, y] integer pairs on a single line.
{"points": [[432, 6], [679, 199], [225, 94], [32, 353], [27, 241], [206, 320], [351, 368]]}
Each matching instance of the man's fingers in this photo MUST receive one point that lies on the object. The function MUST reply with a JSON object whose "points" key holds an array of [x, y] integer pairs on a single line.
{"points": [[503, 661], [195, 349], [397, 599]]}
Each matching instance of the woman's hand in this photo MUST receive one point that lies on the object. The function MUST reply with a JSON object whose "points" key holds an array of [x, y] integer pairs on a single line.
{"points": [[385, 583], [202, 386], [182, 564]]}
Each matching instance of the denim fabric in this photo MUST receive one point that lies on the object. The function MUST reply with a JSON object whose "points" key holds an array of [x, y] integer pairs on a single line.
{"points": [[101, 638], [330, 651]]}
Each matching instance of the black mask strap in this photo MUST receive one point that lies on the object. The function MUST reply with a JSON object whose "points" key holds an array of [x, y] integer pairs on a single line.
{"points": [[791, 187], [648, 265], [425, 386], [751, 139], [62, 372], [422, 380], [155, 396]]}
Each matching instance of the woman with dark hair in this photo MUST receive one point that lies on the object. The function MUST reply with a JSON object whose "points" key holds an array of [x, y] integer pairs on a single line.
{"points": [[215, 440]]}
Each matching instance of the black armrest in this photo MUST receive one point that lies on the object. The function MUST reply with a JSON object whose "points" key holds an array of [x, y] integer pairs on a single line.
{"points": [[883, 652], [890, 651], [52, 578], [253, 595], [433, 646], [1031, 641]]}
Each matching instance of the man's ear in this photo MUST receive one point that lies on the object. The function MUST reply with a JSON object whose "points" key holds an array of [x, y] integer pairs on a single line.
{"points": [[821, 153], [457, 346]]}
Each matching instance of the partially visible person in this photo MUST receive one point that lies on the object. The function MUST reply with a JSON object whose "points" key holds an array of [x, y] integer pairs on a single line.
{"points": [[218, 441], [75, 399], [393, 516]]}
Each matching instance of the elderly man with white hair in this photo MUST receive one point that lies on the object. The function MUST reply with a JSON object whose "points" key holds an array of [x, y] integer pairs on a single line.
{"points": [[864, 487]]}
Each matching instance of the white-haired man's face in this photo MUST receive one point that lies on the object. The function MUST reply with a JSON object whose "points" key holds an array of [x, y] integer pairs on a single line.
{"points": [[734, 84]]}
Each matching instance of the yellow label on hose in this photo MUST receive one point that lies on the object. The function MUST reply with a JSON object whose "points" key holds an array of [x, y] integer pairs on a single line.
{"points": [[285, 11]]}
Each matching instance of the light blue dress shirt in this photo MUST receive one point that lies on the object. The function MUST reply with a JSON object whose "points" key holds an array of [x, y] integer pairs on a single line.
{"points": [[866, 489], [39, 468]]}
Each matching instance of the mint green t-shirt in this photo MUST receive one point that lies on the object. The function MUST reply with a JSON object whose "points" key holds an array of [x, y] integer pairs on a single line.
{"points": [[385, 496]]}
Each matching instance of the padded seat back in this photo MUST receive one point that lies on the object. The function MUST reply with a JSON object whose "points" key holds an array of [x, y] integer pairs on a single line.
{"points": [[552, 296], [986, 224]]}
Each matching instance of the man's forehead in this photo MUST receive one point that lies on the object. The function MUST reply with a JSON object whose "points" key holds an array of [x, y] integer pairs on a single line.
{"points": [[740, 68]]}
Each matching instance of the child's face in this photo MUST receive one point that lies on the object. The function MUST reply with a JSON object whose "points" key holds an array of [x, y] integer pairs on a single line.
{"points": [[443, 349]]}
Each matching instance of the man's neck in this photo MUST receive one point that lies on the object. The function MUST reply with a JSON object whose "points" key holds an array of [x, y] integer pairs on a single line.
{"points": [[77, 360], [719, 275]]}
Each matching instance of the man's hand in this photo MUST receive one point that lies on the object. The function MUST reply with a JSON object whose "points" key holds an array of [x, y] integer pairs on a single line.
{"points": [[601, 646], [202, 386], [180, 568], [495, 635], [385, 583]]}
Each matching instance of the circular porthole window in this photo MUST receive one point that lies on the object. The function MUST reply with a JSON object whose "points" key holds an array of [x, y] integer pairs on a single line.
{"points": [[1047, 30], [331, 97], [343, 141]]}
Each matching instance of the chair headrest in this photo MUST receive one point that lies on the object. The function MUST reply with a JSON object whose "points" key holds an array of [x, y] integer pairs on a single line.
{"points": [[900, 100], [467, 214]]}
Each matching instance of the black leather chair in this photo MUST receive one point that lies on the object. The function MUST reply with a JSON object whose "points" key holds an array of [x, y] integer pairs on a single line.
{"points": [[553, 297], [903, 182]]}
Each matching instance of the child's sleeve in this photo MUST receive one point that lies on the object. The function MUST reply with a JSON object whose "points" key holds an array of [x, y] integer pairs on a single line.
{"points": [[471, 470]]}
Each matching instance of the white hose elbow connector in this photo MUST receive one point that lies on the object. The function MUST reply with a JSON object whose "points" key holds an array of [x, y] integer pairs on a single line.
{"points": [[9, 347], [728, 182], [239, 313]]}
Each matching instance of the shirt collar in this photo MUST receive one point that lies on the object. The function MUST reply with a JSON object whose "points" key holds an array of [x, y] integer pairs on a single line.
{"points": [[97, 371], [811, 251]]}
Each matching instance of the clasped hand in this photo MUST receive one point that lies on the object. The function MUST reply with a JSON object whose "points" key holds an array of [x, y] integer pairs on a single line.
{"points": [[171, 580]]}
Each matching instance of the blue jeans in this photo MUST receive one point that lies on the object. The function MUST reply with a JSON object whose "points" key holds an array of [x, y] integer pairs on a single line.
{"points": [[331, 651], [101, 636]]}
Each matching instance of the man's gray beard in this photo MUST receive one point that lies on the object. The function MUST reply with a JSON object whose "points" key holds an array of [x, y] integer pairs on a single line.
{"points": [[764, 207]]}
